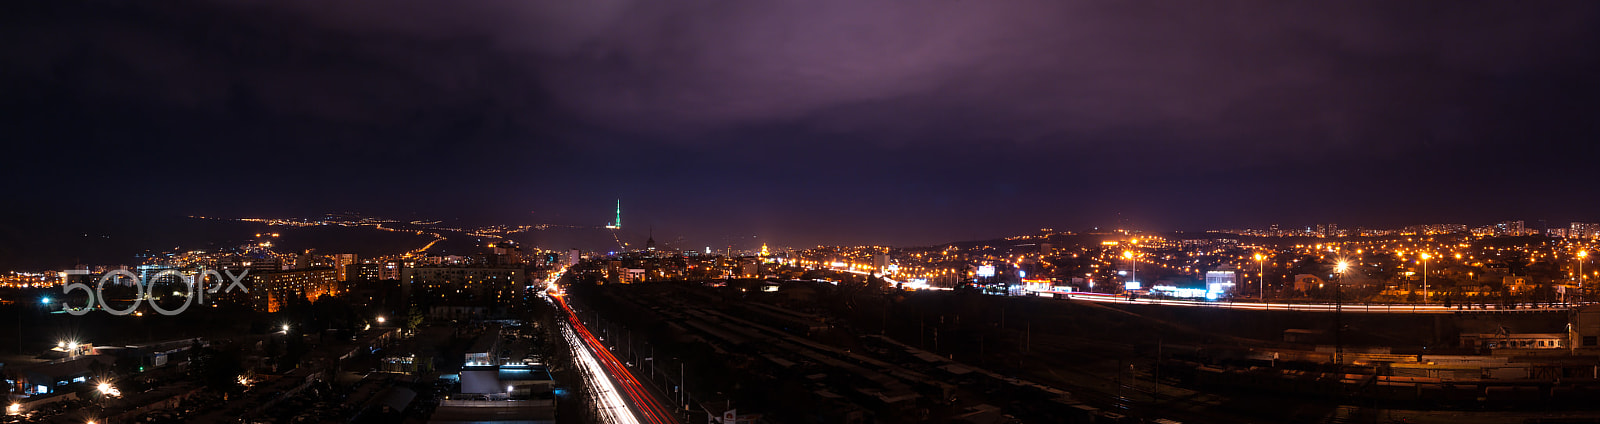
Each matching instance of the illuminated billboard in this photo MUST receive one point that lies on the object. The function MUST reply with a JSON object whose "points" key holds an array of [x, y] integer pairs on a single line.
{"points": [[986, 271]]}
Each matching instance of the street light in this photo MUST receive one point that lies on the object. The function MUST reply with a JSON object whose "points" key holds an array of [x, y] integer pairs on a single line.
{"points": [[380, 320], [1425, 256], [1261, 272], [107, 389], [1135, 265], [1581, 254], [1338, 316]]}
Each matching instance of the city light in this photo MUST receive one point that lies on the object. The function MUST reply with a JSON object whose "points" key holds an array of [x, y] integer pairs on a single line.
{"points": [[14, 409], [380, 320], [44, 300], [107, 389]]}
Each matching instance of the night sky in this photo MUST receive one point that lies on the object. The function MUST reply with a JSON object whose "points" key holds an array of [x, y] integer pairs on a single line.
{"points": [[807, 122]]}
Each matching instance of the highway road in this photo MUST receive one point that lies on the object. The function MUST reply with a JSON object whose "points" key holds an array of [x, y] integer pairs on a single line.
{"points": [[608, 403], [1410, 308], [619, 396], [1381, 308]]}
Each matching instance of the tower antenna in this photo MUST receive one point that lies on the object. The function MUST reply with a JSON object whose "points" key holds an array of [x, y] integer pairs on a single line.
{"points": [[617, 225]]}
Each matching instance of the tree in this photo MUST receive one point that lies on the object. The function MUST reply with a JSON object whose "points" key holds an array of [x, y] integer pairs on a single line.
{"points": [[294, 349], [414, 319]]}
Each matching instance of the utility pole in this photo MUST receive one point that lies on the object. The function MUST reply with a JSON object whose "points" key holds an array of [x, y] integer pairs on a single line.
{"points": [[1119, 376], [1156, 383], [1425, 258], [1027, 338], [981, 348], [1338, 318]]}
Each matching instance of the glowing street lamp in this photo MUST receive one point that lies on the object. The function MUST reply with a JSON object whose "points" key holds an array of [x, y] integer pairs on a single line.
{"points": [[1338, 315], [1581, 254], [14, 409], [1134, 264], [380, 320], [107, 389], [1425, 256], [1261, 272]]}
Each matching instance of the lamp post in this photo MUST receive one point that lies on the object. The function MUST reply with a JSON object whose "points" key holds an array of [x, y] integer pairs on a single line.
{"points": [[1134, 264], [1425, 258], [1261, 273], [1338, 316], [1581, 254]]}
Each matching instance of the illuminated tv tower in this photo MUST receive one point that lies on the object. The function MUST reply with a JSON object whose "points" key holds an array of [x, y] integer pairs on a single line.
{"points": [[617, 225]]}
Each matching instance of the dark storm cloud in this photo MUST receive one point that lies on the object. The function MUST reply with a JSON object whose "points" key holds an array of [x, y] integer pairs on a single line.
{"points": [[200, 64], [989, 114], [1295, 77], [1256, 77]]}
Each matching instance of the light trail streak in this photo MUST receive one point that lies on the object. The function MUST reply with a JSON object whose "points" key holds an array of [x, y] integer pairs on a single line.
{"points": [[595, 356], [602, 392], [1302, 307], [643, 402], [1431, 308]]}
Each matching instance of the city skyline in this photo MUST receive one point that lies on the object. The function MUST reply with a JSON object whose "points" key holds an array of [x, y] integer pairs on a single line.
{"points": [[853, 211], [464, 239]]}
